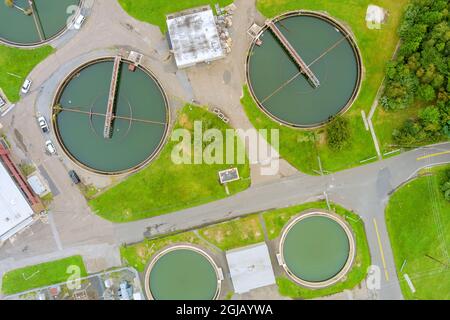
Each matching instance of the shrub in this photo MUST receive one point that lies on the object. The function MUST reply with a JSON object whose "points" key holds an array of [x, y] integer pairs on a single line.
{"points": [[338, 133]]}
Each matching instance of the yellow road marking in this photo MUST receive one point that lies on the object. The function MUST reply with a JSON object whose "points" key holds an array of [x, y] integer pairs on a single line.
{"points": [[433, 155], [381, 250]]}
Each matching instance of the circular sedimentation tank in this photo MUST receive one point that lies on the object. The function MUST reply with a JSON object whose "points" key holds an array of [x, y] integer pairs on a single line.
{"points": [[140, 122], [182, 272], [23, 25], [287, 95], [317, 249]]}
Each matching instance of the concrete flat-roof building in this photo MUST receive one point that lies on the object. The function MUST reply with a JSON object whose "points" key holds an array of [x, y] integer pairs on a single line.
{"points": [[250, 268], [15, 211], [194, 37]]}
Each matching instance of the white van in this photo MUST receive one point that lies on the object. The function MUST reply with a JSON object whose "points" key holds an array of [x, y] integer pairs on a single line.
{"points": [[26, 86], [79, 21]]}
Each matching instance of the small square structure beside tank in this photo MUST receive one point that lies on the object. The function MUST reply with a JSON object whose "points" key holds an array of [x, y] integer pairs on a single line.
{"points": [[193, 37], [250, 268]]}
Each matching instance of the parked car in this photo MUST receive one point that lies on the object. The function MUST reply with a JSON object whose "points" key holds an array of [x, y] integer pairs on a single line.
{"points": [[43, 124], [26, 86], [74, 176], [79, 21], [50, 147]]}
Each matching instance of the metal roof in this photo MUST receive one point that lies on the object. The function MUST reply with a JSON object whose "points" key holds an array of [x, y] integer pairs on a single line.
{"points": [[15, 212], [194, 37], [250, 268]]}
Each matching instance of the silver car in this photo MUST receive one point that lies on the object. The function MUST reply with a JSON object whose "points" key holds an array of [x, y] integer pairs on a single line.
{"points": [[50, 147], [43, 124]]}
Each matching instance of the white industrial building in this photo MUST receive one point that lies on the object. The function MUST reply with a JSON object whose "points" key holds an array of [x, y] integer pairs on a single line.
{"points": [[193, 37], [15, 212], [250, 268]]}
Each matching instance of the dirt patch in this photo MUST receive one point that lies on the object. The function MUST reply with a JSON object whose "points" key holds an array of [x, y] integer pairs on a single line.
{"points": [[219, 236], [185, 122], [19, 139], [141, 251], [321, 138]]}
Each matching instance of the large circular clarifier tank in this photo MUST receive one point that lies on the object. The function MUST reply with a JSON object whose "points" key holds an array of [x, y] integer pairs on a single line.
{"points": [[287, 95], [48, 20], [317, 249], [138, 131], [182, 273]]}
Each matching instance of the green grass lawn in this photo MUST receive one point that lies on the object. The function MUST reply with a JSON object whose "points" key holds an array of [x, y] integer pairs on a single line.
{"points": [[301, 148], [40, 275], [275, 220], [228, 235], [155, 11], [412, 223], [385, 122], [163, 186], [16, 65], [235, 233]]}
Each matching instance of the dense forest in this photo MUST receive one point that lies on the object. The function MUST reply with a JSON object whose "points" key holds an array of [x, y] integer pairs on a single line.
{"points": [[420, 73]]}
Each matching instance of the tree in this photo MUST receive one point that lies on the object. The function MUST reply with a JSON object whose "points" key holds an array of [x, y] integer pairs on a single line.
{"points": [[338, 133], [426, 93], [430, 118], [421, 72]]}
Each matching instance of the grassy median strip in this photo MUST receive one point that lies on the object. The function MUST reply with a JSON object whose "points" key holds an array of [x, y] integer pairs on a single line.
{"points": [[275, 220], [164, 186], [227, 235], [16, 65], [235, 233], [40, 275], [155, 11], [418, 222]]}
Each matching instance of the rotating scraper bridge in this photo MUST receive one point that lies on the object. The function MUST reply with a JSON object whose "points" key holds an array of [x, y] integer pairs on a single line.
{"points": [[111, 115]]}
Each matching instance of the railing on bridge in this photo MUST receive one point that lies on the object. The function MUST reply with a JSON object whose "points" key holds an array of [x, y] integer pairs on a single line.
{"points": [[111, 99], [294, 54]]}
